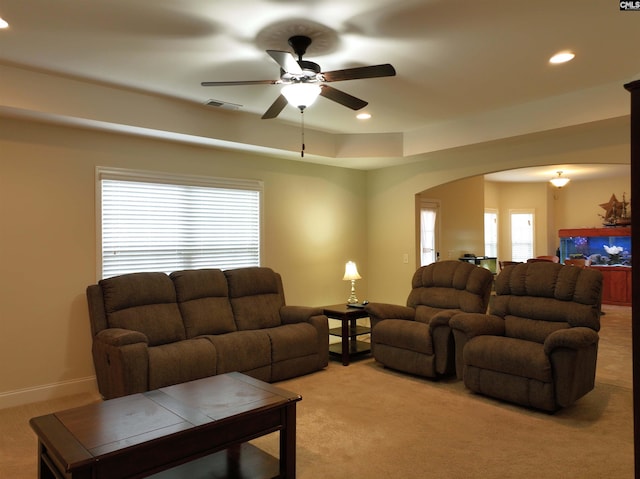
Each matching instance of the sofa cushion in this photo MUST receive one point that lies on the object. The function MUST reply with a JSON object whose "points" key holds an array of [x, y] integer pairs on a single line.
{"points": [[511, 356], [531, 329], [203, 298], [241, 351], [181, 361], [144, 302], [256, 297]]}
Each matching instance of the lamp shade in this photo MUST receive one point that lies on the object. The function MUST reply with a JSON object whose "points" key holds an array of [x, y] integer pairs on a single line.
{"points": [[559, 181], [351, 272], [301, 95]]}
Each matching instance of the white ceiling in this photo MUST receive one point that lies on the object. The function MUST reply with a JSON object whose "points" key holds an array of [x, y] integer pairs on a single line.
{"points": [[467, 71]]}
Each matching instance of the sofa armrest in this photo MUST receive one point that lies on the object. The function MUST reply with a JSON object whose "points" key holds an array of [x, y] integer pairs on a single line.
{"points": [[572, 338], [120, 337], [121, 360], [298, 314], [316, 318], [443, 342], [321, 323], [468, 325]]}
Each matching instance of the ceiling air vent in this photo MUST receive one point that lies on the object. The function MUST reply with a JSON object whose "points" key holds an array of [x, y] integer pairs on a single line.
{"points": [[222, 104]]}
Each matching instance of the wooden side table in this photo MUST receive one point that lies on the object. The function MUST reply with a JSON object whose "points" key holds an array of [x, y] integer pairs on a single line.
{"points": [[349, 331]]}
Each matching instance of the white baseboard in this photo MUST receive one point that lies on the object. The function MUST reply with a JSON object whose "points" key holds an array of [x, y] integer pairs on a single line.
{"points": [[47, 392]]}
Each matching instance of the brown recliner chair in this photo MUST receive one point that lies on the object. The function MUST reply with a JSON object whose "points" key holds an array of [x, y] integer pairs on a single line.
{"points": [[416, 338], [538, 346]]}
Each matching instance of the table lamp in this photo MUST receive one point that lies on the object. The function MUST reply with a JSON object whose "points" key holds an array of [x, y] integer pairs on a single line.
{"points": [[351, 274]]}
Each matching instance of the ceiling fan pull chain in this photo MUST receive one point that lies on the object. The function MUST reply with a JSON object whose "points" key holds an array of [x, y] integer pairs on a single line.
{"points": [[302, 133]]}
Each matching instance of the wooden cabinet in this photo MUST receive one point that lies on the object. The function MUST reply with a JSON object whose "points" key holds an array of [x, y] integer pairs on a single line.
{"points": [[616, 284]]}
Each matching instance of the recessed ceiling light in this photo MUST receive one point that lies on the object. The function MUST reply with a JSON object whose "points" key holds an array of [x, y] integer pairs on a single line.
{"points": [[562, 57], [363, 116], [3, 23]]}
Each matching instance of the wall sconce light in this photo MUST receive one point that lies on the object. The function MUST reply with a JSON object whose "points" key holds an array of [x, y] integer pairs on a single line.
{"points": [[560, 181], [351, 274]]}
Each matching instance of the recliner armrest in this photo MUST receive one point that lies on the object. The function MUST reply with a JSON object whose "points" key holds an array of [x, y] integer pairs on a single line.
{"points": [[466, 326], [120, 337], [477, 324], [298, 314], [380, 311], [443, 318], [572, 338]]}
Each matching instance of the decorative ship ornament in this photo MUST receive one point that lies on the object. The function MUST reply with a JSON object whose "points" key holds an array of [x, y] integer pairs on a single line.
{"points": [[616, 212]]}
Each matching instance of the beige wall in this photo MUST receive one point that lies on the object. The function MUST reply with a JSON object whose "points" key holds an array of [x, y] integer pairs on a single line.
{"points": [[316, 218], [578, 204], [314, 221], [461, 217], [523, 196]]}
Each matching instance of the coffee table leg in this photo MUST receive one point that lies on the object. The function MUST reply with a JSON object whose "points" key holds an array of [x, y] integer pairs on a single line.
{"points": [[46, 468], [288, 443]]}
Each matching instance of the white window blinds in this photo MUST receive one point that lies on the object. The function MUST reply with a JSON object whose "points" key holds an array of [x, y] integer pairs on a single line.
{"points": [[166, 223]]}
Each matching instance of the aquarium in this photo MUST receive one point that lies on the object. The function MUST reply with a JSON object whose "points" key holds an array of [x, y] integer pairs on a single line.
{"points": [[602, 246]]}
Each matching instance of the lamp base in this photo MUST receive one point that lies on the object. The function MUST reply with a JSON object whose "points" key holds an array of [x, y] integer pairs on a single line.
{"points": [[352, 299]]}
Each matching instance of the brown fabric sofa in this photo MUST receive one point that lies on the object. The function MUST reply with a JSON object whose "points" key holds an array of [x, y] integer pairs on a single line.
{"points": [[152, 330], [538, 346], [416, 338]]}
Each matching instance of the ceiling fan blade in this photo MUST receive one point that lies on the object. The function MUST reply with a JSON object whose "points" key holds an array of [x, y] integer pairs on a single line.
{"points": [[343, 98], [286, 61], [373, 71], [232, 83], [275, 108]]}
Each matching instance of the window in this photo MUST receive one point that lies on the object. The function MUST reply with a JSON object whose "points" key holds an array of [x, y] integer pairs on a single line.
{"points": [[429, 223], [521, 235], [491, 233], [154, 222]]}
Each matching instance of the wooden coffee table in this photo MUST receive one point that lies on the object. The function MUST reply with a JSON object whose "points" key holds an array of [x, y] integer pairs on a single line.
{"points": [[201, 425]]}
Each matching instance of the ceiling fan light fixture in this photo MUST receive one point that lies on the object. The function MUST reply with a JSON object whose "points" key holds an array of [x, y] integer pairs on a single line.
{"points": [[301, 95], [560, 180]]}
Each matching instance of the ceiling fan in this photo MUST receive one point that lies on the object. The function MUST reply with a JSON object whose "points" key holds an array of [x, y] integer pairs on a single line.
{"points": [[298, 75]]}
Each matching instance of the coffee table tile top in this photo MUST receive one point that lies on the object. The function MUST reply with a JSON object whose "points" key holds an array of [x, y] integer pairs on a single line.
{"points": [[231, 397], [138, 420]]}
